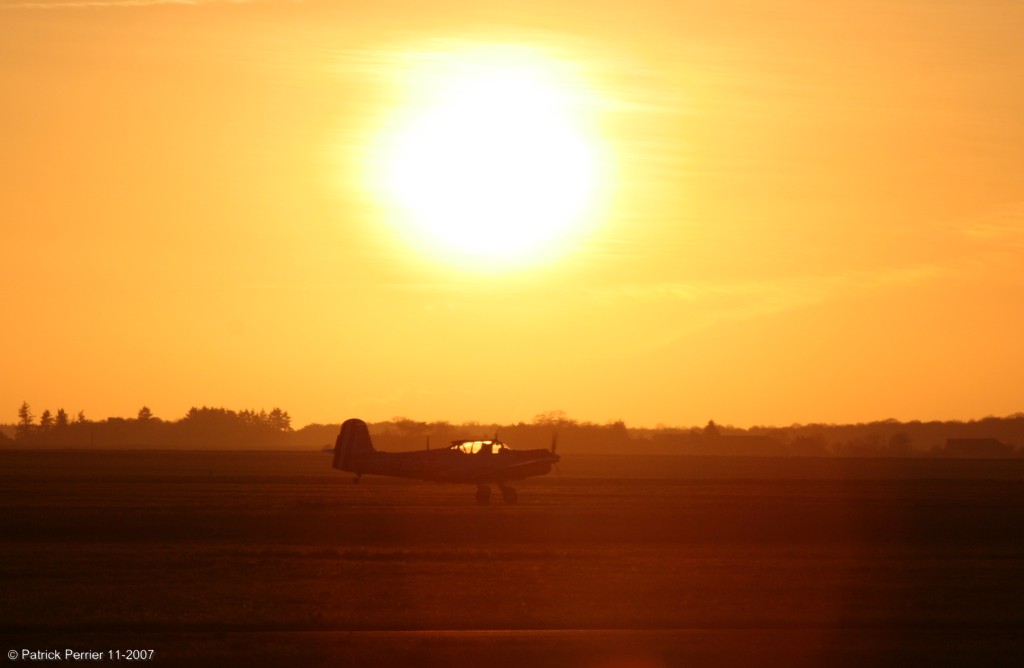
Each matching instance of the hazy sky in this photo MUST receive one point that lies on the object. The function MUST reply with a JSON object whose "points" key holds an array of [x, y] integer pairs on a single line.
{"points": [[800, 212]]}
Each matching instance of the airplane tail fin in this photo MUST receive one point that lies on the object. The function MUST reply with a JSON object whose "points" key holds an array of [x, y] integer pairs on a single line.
{"points": [[354, 440]]}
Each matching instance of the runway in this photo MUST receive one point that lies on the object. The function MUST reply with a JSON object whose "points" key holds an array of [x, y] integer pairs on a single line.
{"points": [[269, 559]]}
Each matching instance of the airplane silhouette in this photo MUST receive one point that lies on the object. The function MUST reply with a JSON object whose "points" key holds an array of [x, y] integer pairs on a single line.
{"points": [[480, 462]]}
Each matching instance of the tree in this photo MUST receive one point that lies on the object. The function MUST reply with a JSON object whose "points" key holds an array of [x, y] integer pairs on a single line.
{"points": [[145, 415], [25, 418], [553, 418], [410, 429], [46, 420], [81, 418], [62, 419], [711, 429], [280, 420]]}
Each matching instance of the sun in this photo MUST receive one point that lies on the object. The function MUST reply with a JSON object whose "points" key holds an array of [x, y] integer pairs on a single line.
{"points": [[488, 159]]}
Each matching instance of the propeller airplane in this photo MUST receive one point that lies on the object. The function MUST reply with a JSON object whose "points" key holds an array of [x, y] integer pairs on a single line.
{"points": [[481, 462]]}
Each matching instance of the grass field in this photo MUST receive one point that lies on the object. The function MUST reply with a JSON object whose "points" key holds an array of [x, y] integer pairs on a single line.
{"points": [[276, 559]]}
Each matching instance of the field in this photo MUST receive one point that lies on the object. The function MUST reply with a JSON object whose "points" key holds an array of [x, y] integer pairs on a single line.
{"points": [[273, 559]]}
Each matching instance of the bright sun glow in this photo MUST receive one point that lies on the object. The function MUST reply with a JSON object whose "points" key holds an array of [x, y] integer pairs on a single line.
{"points": [[488, 158]]}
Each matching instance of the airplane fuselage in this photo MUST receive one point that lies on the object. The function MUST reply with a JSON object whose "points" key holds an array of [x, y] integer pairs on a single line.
{"points": [[453, 466]]}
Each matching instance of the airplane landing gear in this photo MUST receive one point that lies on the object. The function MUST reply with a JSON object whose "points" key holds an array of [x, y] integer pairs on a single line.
{"points": [[483, 494], [509, 494]]}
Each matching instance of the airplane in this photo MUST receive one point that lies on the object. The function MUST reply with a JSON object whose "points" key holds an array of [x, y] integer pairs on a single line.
{"points": [[481, 462]]}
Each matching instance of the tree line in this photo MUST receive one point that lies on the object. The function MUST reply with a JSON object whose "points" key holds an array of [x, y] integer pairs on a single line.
{"points": [[203, 427], [221, 428]]}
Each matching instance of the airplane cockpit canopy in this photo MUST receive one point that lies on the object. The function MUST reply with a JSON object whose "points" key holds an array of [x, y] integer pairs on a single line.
{"points": [[472, 447]]}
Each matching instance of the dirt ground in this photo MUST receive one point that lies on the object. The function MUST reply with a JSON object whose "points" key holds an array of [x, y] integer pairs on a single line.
{"points": [[275, 559]]}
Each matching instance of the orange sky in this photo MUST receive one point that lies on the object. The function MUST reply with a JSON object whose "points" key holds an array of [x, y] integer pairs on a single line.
{"points": [[809, 212]]}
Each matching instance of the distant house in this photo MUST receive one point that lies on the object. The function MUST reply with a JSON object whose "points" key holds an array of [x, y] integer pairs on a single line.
{"points": [[978, 447]]}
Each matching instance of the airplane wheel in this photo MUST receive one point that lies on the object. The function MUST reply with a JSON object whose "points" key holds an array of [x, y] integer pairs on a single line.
{"points": [[483, 494], [510, 495]]}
